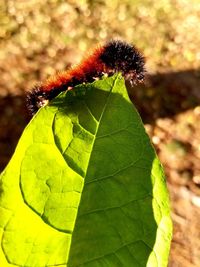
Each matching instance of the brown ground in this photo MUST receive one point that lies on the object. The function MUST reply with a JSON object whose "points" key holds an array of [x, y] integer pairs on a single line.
{"points": [[39, 37]]}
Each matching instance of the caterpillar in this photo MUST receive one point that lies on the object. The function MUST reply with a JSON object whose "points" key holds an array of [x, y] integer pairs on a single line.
{"points": [[114, 56]]}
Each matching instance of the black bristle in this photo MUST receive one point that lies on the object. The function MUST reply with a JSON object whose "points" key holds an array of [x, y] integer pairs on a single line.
{"points": [[122, 57], [35, 98]]}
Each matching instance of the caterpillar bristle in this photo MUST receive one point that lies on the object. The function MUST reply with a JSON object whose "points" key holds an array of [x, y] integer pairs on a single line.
{"points": [[123, 57], [114, 56], [36, 98]]}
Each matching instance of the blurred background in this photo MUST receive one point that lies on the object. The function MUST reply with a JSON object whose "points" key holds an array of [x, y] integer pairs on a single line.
{"points": [[38, 38]]}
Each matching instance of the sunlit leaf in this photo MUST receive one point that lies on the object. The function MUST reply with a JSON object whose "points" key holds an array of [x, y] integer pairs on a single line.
{"points": [[85, 187]]}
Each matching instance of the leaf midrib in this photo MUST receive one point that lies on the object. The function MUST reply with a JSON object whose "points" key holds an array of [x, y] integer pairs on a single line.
{"points": [[97, 129], [93, 143]]}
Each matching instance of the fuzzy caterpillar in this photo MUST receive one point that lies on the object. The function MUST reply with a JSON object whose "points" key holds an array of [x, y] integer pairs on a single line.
{"points": [[114, 56]]}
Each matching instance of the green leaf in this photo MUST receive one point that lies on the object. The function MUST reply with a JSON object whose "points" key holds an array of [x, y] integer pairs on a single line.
{"points": [[84, 187]]}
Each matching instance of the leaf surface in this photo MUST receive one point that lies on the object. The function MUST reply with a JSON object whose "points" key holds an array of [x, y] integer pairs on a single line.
{"points": [[84, 187]]}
